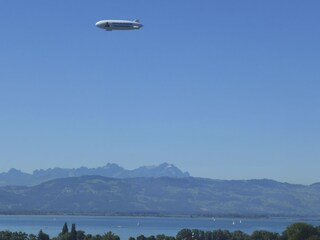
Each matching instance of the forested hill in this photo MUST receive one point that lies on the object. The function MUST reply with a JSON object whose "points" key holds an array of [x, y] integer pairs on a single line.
{"points": [[101, 195]]}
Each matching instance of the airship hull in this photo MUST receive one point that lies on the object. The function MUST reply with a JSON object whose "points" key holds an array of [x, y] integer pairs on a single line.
{"points": [[110, 25]]}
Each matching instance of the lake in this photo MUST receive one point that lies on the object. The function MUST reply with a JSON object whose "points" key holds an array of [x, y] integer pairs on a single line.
{"points": [[126, 227]]}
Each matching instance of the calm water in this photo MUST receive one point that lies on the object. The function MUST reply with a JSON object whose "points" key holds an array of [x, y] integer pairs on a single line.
{"points": [[135, 226]]}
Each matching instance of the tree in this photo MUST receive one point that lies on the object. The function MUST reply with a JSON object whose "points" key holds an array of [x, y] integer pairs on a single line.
{"points": [[65, 228], [198, 234], [81, 235], [43, 236], [170, 238], [208, 235], [19, 236], [298, 231], [73, 235], [221, 235], [5, 235], [239, 235], [164, 237], [32, 237], [96, 237], [313, 238], [110, 236], [160, 237], [152, 237], [264, 235], [184, 234], [318, 230], [141, 237], [88, 237]]}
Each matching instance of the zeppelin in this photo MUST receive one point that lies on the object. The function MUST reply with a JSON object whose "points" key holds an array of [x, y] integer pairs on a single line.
{"points": [[110, 25]]}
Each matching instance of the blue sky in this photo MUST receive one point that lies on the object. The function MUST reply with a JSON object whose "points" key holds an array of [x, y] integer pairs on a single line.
{"points": [[222, 89]]}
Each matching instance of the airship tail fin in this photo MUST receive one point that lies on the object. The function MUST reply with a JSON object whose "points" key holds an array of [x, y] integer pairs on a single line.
{"points": [[137, 20]]}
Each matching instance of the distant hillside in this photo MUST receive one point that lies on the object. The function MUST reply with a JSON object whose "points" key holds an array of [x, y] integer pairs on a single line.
{"points": [[96, 194], [112, 170]]}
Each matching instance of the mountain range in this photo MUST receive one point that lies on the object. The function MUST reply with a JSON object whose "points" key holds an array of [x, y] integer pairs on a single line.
{"points": [[161, 196], [112, 170], [157, 190]]}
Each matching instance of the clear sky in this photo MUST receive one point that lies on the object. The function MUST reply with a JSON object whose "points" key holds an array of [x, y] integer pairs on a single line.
{"points": [[222, 89]]}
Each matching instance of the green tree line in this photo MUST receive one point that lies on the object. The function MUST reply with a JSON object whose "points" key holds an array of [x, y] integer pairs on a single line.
{"points": [[296, 231]]}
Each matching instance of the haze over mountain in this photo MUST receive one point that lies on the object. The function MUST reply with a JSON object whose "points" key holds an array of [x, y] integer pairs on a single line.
{"points": [[102, 195], [112, 170]]}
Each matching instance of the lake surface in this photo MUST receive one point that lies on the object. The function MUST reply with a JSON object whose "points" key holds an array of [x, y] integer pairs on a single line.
{"points": [[126, 227]]}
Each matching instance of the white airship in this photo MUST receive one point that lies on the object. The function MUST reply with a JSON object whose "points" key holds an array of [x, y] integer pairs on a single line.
{"points": [[110, 25]]}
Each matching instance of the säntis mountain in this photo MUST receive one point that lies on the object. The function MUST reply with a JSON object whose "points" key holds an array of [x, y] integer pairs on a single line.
{"points": [[112, 170]]}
